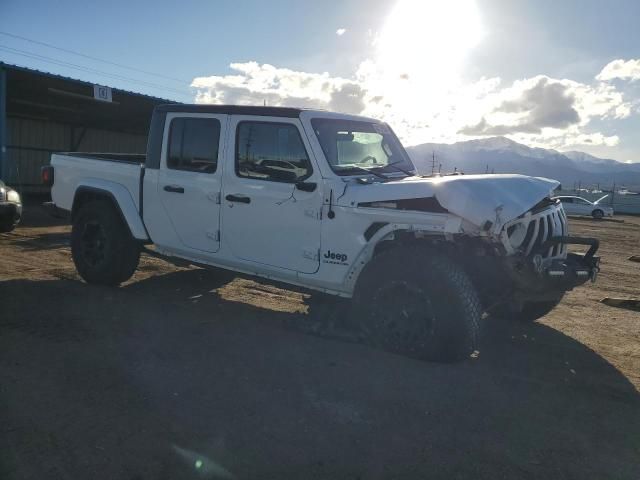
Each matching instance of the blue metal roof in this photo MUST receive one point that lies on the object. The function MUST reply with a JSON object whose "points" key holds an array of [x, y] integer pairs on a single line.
{"points": [[10, 66]]}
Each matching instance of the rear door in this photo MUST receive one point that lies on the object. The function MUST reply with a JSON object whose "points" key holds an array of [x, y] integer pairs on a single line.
{"points": [[189, 182], [266, 218]]}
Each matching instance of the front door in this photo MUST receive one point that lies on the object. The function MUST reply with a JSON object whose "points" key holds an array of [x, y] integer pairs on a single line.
{"points": [[266, 217], [189, 183]]}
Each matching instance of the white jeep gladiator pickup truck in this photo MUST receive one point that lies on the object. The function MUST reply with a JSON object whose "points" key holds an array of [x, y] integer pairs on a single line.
{"points": [[330, 202]]}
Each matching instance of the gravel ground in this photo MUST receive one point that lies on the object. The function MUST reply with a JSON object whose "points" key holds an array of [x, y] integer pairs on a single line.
{"points": [[189, 373]]}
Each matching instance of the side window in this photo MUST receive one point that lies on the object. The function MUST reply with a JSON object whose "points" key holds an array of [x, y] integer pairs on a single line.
{"points": [[193, 144], [566, 200], [271, 151]]}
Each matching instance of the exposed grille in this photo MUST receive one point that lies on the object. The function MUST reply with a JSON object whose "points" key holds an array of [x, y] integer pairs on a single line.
{"points": [[540, 227]]}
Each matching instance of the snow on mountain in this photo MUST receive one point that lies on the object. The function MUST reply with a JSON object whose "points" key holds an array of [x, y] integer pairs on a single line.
{"points": [[502, 155]]}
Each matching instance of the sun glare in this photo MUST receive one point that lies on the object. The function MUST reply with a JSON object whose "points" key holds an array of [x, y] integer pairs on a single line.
{"points": [[429, 37], [421, 51]]}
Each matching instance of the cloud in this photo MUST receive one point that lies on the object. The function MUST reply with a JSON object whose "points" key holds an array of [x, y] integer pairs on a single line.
{"points": [[348, 97], [540, 110], [254, 84], [544, 106], [341, 31], [625, 70], [541, 103]]}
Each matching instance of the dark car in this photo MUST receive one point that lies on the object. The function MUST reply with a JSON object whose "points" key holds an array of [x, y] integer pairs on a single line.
{"points": [[10, 208]]}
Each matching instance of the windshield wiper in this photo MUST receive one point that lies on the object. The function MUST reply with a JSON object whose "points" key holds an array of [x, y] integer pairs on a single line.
{"points": [[365, 170], [394, 166]]}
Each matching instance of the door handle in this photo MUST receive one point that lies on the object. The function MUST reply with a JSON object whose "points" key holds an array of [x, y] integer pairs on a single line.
{"points": [[238, 198], [174, 188]]}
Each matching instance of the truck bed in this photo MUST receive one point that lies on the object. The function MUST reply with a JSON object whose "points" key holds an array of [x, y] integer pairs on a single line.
{"points": [[137, 158], [95, 170]]}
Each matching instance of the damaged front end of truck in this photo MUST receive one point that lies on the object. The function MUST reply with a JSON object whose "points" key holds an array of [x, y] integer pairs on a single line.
{"points": [[523, 259], [507, 231]]}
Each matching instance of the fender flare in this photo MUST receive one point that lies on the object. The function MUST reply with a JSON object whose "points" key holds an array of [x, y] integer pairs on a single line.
{"points": [[366, 253], [122, 201]]}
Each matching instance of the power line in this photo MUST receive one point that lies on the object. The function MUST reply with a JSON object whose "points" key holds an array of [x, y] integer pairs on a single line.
{"points": [[82, 68], [66, 50]]}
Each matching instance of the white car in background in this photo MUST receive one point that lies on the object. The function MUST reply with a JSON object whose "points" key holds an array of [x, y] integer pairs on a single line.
{"points": [[581, 206]]}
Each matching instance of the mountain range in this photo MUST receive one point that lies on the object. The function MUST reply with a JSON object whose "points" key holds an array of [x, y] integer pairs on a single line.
{"points": [[502, 155]]}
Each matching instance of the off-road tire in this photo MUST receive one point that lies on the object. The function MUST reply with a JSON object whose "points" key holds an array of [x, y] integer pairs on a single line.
{"points": [[597, 214], [418, 303], [102, 246]]}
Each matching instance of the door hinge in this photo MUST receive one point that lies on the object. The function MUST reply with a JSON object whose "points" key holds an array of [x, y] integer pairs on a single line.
{"points": [[313, 213], [311, 255], [215, 197], [213, 235]]}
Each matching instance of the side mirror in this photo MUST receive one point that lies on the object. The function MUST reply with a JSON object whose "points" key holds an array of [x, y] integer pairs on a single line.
{"points": [[306, 186]]}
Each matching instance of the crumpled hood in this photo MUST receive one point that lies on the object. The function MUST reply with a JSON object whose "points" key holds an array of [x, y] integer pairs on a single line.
{"points": [[476, 198]]}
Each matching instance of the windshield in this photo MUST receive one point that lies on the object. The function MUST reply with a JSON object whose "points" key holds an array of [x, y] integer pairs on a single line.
{"points": [[351, 146]]}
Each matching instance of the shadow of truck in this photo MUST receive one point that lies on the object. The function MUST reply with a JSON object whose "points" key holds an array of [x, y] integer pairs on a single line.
{"points": [[111, 383]]}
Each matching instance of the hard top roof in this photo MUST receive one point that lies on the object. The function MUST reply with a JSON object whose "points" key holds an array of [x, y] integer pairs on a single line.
{"points": [[288, 112], [232, 110]]}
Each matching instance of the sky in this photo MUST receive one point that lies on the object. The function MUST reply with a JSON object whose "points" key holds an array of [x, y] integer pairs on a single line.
{"points": [[562, 75]]}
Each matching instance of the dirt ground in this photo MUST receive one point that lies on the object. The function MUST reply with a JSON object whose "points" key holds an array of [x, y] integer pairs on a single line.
{"points": [[189, 373]]}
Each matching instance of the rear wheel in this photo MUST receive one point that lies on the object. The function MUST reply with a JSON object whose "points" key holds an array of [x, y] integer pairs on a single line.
{"points": [[418, 305], [102, 247], [597, 214]]}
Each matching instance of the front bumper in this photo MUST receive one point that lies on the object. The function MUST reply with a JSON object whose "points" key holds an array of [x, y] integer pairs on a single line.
{"points": [[534, 278], [10, 212], [576, 269]]}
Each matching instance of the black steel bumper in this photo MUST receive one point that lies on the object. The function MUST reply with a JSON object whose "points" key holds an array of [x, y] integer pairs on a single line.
{"points": [[534, 278], [576, 269], [10, 212]]}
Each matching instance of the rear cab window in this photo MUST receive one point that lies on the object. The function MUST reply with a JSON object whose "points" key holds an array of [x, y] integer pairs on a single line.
{"points": [[193, 144]]}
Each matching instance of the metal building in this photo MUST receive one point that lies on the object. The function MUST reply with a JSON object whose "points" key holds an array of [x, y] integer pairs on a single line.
{"points": [[42, 113]]}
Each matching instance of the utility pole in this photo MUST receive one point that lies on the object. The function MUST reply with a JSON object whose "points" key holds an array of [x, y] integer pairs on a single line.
{"points": [[486, 170], [613, 193], [433, 162]]}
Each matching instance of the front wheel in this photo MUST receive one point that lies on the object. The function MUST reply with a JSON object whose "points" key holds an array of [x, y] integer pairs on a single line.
{"points": [[419, 305], [597, 214], [102, 247]]}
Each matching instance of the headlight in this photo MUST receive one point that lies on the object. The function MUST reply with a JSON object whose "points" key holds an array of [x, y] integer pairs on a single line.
{"points": [[12, 196]]}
